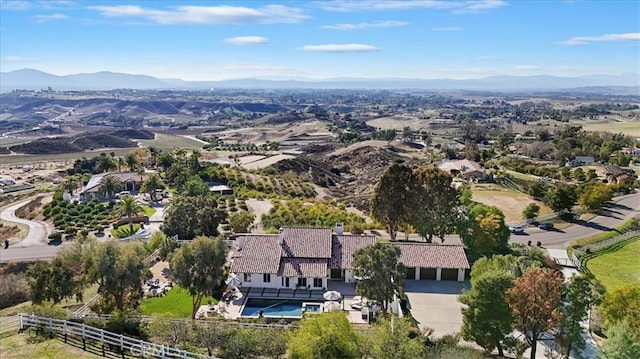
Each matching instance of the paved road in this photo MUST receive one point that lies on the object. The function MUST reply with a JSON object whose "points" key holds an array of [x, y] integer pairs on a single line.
{"points": [[37, 234], [625, 207]]}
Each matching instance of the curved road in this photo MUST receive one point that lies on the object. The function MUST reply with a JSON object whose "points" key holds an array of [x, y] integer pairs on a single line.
{"points": [[37, 233], [623, 208]]}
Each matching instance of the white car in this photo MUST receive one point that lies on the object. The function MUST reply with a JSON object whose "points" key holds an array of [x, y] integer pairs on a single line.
{"points": [[516, 229], [122, 194]]}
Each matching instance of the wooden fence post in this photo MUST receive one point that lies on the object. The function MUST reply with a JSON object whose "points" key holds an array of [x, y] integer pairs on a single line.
{"points": [[65, 331]]}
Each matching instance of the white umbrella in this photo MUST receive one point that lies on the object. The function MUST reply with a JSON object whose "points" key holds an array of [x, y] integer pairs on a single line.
{"points": [[332, 295], [331, 306], [233, 281]]}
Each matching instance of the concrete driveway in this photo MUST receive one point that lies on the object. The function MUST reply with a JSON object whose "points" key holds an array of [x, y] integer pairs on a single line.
{"points": [[434, 304]]}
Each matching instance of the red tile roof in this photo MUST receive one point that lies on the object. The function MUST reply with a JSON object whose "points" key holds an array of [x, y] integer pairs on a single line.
{"points": [[303, 267], [345, 246], [306, 242], [432, 255], [259, 254]]}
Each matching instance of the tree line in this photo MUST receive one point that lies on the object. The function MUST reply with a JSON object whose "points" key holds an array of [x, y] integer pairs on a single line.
{"points": [[423, 200]]}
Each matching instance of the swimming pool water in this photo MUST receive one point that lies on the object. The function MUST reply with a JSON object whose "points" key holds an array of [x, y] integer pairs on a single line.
{"points": [[272, 308]]}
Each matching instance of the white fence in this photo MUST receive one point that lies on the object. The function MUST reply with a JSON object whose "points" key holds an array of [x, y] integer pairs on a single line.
{"points": [[144, 318], [9, 324], [575, 256], [541, 218], [117, 342]]}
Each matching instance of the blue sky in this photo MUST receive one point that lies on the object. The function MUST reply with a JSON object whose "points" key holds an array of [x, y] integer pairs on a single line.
{"points": [[213, 40]]}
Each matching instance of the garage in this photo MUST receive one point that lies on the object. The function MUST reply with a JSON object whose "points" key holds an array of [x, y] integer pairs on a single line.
{"points": [[433, 262], [427, 274], [449, 274], [411, 273]]}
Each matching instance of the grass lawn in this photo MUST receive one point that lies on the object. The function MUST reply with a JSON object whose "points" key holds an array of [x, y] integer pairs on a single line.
{"points": [[124, 231], [148, 211], [177, 302], [618, 268], [19, 346], [628, 225]]}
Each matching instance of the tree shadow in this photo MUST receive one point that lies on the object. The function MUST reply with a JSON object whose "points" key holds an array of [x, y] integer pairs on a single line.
{"points": [[593, 225]]}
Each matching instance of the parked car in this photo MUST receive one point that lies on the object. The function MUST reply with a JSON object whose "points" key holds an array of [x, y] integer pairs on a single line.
{"points": [[122, 194], [546, 225], [516, 229]]}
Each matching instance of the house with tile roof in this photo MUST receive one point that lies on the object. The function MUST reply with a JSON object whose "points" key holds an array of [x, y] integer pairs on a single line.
{"points": [[469, 170], [309, 257], [131, 182]]}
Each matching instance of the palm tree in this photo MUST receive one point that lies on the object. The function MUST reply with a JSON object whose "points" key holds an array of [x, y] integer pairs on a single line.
{"points": [[109, 186], [127, 207], [154, 152], [120, 162], [69, 184], [104, 163], [132, 161], [151, 185]]}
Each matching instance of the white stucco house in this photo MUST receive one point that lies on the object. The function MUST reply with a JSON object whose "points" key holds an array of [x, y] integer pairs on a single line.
{"points": [[309, 257]]}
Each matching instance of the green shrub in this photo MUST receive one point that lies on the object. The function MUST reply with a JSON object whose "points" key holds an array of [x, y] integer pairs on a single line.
{"points": [[55, 236]]}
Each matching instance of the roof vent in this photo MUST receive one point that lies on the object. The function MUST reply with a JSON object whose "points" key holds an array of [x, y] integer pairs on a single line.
{"points": [[339, 228], [281, 235]]}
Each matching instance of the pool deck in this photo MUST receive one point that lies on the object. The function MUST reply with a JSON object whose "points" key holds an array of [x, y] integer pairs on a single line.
{"points": [[232, 310]]}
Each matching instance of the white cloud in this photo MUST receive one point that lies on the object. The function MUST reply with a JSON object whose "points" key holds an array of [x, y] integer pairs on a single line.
{"points": [[44, 18], [19, 59], [366, 25], [247, 40], [527, 67], [447, 29], [339, 48], [457, 7], [584, 40], [205, 15], [15, 5]]}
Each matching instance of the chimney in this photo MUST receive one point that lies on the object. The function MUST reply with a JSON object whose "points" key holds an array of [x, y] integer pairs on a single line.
{"points": [[240, 242], [339, 228], [281, 236]]}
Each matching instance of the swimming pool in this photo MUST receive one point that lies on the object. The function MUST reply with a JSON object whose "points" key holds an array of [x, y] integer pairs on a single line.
{"points": [[273, 308]]}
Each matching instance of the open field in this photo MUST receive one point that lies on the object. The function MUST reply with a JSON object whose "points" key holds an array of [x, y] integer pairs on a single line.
{"points": [[65, 159], [177, 302], [398, 122], [266, 162], [20, 346], [627, 127], [619, 267], [511, 203], [169, 142]]}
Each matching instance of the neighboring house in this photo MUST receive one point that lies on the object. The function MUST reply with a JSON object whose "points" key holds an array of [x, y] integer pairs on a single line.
{"points": [[308, 257], [582, 161], [470, 170], [633, 151], [220, 188], [131, 182], [615, 174]]}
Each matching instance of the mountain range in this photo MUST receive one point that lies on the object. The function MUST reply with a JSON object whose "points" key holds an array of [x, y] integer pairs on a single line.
{"points": [[31, 79]]}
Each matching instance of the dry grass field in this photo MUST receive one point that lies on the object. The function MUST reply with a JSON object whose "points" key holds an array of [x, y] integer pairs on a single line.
{"points": [[169, 142], [511, 203], [20, 346]]}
